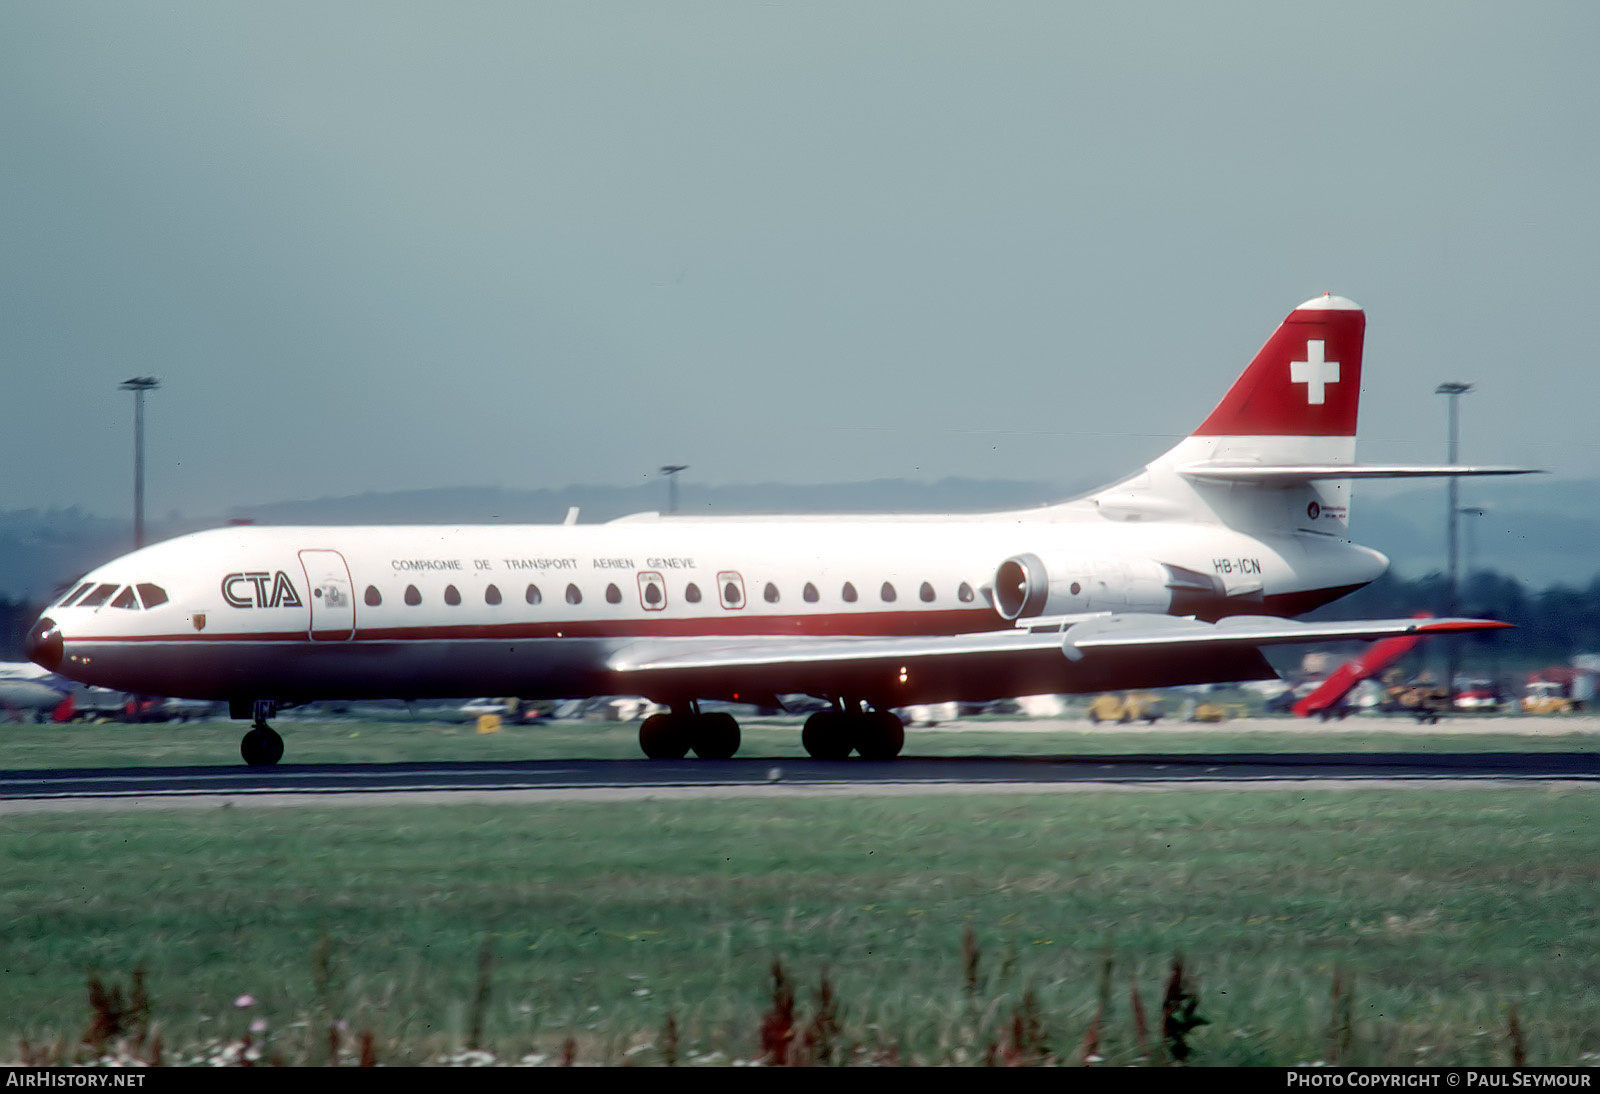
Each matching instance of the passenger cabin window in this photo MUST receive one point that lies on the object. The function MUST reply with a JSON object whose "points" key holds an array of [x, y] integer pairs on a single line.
{"points": [[730, 587], [491, 595], [770, 593], [452, 595], [613, 594], [574, 595], [964, 594], [101, 594], [849, 593], [152, 595], [887, 592], [652, 591], [926, 592], [75, 593], [532, 596], [692, 593], [809, 593], [126, 599], [412, 596], [373, 597]]}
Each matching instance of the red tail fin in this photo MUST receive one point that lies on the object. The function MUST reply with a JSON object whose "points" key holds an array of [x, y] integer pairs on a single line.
{"points": [[1305, 382]]}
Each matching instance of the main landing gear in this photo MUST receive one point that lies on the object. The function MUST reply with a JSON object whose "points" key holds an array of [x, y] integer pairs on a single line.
{"points": [[828, 734], [671, 736], [262, 747], [834, 734]]}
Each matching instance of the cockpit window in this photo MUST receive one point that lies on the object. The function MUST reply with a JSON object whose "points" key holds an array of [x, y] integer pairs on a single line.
{"points": [[75, 593], [152, 595], [126, 599], [101, 594]]}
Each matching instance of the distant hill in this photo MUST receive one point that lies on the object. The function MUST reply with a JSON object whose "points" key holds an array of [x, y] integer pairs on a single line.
{"points": [[496, 505], [1540, 531], [43, 550]]}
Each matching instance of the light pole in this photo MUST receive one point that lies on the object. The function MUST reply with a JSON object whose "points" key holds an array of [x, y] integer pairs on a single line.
{"points": [[1467, 552], [1454, 389], [139, 385], [671, 472]]}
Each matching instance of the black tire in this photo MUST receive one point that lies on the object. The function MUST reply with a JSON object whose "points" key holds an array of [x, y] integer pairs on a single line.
{"points": [[261, 747], [664, 736], [714, 736], [826, 736], [880, 735]]}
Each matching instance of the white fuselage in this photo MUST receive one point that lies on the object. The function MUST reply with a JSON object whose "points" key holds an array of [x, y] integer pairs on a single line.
{"points": [[298, 613]]}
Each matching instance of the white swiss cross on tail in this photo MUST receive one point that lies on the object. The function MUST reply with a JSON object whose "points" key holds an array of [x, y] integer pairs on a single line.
{"points": [[1314, 372]]}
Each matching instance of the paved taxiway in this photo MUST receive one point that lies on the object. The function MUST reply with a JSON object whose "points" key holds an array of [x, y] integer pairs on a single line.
{"points": [[298, 784], [642, 778]]}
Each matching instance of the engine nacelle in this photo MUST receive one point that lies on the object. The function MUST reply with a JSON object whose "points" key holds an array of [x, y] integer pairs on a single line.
{"points": [[1026, 586]]}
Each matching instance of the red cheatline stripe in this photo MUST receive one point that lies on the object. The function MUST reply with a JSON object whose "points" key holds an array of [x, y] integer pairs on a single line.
{"points": [[866, 624]]}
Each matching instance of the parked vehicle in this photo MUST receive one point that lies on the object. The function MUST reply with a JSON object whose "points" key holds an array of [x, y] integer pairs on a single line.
{"points": [[1129, 707]]}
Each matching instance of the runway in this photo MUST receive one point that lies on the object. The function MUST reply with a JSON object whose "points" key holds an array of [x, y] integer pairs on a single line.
{"points": [[907, 774]]}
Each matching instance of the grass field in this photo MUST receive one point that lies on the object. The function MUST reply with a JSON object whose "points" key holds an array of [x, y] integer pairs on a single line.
{"points": [[1396, 926], [1384, 926]]}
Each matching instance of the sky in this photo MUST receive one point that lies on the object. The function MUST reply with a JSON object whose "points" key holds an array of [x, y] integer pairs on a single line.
{"points": [[390, 246]]}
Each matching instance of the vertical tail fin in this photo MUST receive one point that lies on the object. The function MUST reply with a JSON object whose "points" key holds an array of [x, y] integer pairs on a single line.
{"points": [[1296, 403], [1278, 453], [1305, 382]]}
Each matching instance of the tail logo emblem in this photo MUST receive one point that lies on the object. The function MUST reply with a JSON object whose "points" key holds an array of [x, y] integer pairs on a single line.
{"points": [[1314, 372]]}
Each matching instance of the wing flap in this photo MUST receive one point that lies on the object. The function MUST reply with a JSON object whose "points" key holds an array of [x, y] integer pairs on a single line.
{"points": [[1154, 631]]}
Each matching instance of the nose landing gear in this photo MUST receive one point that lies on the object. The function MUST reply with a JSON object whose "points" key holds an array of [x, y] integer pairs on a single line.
{"points": [[262, 747]]}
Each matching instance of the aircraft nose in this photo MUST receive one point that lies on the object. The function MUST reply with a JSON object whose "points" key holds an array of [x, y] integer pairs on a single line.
{"points": [[44, 644]]}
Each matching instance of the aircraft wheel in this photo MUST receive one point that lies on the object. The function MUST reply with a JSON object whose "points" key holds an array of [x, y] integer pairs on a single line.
{"points": [[880, 735], [261, 747], [664, 736], [827, 735], [715, 736]]}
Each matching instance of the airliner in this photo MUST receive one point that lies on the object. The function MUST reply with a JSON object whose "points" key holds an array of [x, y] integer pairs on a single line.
{"points": [[1178, 574], [27, 689]]}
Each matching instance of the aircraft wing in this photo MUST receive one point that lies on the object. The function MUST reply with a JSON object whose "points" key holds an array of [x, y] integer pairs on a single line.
{"points": [[1100, 653], [1112, 632]]}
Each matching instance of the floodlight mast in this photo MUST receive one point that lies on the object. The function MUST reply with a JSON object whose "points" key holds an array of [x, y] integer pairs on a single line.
{"points": [[1454, 389], [671, 472], [139, 385]]}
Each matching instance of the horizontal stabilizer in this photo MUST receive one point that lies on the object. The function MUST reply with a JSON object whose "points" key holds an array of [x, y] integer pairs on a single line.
{"points": [[1289, 474]]}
